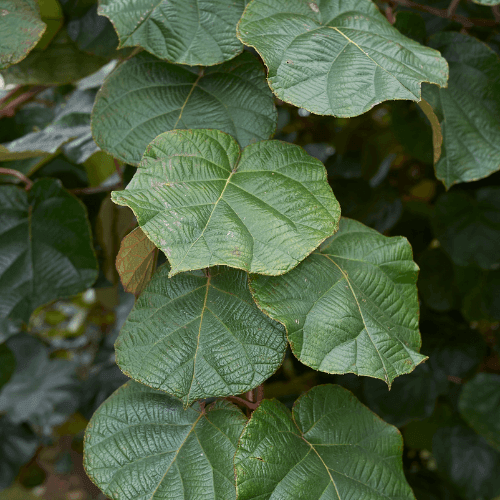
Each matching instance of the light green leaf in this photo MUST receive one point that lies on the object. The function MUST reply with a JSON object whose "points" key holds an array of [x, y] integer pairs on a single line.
{"points": [[145, 96], [490, 3], [197, 336], [330, 447], [21, 27], [337, 58], [142, 445], [46, 247], [181, 31], [351, 306], [480, 406], [468, 227], [204, 202], [61, 62], [467, 112]]}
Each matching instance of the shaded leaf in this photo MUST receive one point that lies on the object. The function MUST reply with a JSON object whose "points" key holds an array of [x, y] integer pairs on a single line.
{"points": [[141, 444], [61, 62], [195, 336], [337, 58], [136, 261], [46, 247], [42, 391], [21, 27], [480, 406], [7, 364], [468, 227], [351, 306], [204, 202], [329, 447], [468, 461], [467, 113], [145, 96], [181, 31]]}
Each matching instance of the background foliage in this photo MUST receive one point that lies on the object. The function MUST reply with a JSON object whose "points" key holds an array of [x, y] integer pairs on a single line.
{"points": [[389, 169]]}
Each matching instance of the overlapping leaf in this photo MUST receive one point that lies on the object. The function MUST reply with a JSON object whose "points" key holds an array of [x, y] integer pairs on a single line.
{"points": [[196, 336], [136, 261], [46, 247], [480, 406], [146, 96], [20, 29], [468, 227], [181, 31], [204, 202], [337, 58], [329, 447], [351, 306], [467, 113], [142, 445]]}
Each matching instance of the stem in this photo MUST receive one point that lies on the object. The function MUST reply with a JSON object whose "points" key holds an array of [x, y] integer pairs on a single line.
{"points": [[10, 94], [390, 14], [244, 402], [95, 190], [118, 170], [10, 109], [464, 21], [496, 12], [452, 7], [19, 175]]}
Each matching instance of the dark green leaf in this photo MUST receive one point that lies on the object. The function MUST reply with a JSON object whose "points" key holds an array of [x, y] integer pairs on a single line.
{"points": [[204, 202], [181, 31], [329, 447], [351, 306], [480, 406], [412, 25], [469, 463], [337, 58], [195, 336], [7, 364], [141, 444], [146, 96], [468, 111], [46, 247], [468, 228], [42, 391], [20, 29]]}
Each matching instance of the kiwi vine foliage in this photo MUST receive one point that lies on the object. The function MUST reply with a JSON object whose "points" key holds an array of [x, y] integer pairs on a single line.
{"points": [[249, 249]]}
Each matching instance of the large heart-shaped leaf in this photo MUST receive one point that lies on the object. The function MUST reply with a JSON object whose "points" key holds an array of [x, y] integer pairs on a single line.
{"points": [[329, 447], [21, 27], [351, 306], [468, 227], [204, 202], [480, 406], [198, 335], [46, 247], [467, 113], [142, 445], [181, 31], [337, 58], [145, 96]]}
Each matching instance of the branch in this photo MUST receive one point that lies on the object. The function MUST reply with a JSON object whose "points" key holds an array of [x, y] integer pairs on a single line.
{"points": [[95, 190], [452, 7], [19, 175], [10, 109], [464, 21], [496, 12]]}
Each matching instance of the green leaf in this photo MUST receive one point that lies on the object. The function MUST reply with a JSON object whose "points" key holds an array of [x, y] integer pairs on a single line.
{"points": [[480, 406], [142, 445], [197, 336], [42, 391], [181, 31], [337, 58], [487, 2], [145, 96], [467, 112], [204, 202], [467, 461], [61, 62], [7, 364], [329, 447], [351, 306], [46, 247], [468, 227], [20, 29]]}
